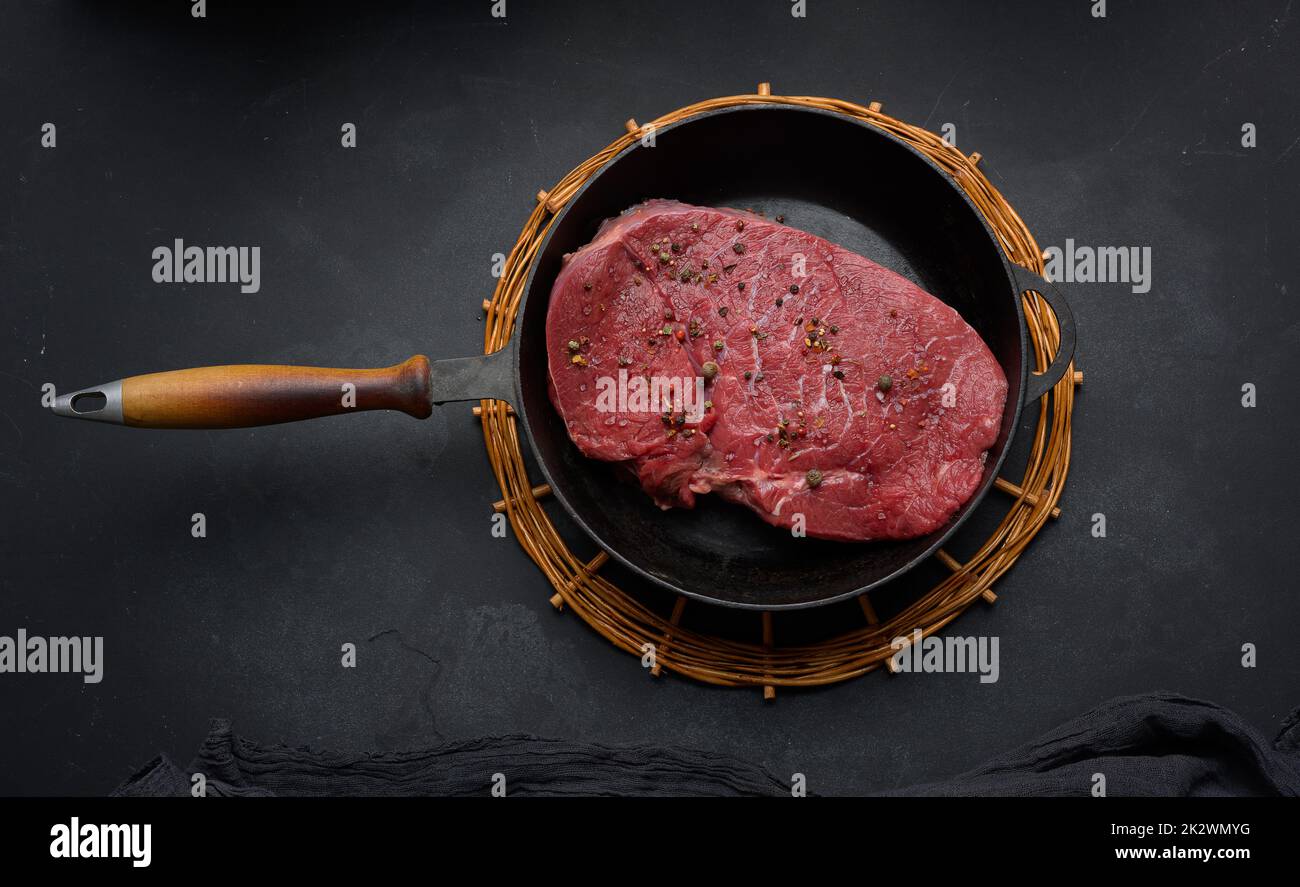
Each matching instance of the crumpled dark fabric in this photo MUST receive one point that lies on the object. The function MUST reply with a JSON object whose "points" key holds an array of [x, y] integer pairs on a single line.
{"points": [[1155, 745], [235, 766]]}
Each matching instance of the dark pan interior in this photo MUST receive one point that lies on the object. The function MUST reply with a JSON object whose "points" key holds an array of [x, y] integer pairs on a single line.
{"points": [[841, 180]]}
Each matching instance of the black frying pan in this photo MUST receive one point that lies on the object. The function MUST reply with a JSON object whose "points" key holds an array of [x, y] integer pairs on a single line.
{"points": [[828, 174]]}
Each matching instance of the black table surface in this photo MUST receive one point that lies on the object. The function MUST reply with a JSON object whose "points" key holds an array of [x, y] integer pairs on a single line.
{"points": [[375, 530]]}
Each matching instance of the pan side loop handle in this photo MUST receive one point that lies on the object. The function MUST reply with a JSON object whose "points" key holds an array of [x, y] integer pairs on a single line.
{"points": [[483, 377], [1039, 384]]}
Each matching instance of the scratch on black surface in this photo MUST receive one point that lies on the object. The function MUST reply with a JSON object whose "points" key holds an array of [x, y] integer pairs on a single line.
{"points": [[426, 695], [1287, 151], [1136, 121], [402, 641], [942, 93]]}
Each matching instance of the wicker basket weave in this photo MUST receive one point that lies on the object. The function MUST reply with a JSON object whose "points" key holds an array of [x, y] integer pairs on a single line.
{"points": [[634, 626]]}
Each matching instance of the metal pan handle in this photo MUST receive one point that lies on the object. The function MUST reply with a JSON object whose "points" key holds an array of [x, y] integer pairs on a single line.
{"points": [[1039, 384], [482, 377], [257, 394]]}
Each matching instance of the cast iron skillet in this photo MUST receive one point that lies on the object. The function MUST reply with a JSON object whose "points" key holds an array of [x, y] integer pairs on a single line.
{"points": [[828, 174]]}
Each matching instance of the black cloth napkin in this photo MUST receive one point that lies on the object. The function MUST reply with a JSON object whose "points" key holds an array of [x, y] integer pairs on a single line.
{"points": [[1155, 744], [1151, 745], [235, 766]]}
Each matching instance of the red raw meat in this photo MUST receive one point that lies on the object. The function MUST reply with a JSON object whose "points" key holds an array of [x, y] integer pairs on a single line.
{"points": [[801, 331]]}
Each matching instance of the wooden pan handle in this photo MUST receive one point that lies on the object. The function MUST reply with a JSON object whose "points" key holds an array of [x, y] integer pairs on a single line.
{"points": [[248, 395]]}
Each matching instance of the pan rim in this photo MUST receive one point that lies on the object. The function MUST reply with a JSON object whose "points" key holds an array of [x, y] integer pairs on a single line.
{"points": [[966, 509]]}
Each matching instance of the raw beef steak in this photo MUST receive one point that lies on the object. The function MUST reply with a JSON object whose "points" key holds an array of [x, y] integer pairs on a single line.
{"points": [[836, 395]]}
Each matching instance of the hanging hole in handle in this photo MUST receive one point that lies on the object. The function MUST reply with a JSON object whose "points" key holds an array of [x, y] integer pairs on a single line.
{"points": [[89, 402], [99, 403]]}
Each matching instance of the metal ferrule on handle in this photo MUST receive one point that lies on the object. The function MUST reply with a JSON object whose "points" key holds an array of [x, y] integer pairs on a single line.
{"points": [[85, 404]]}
